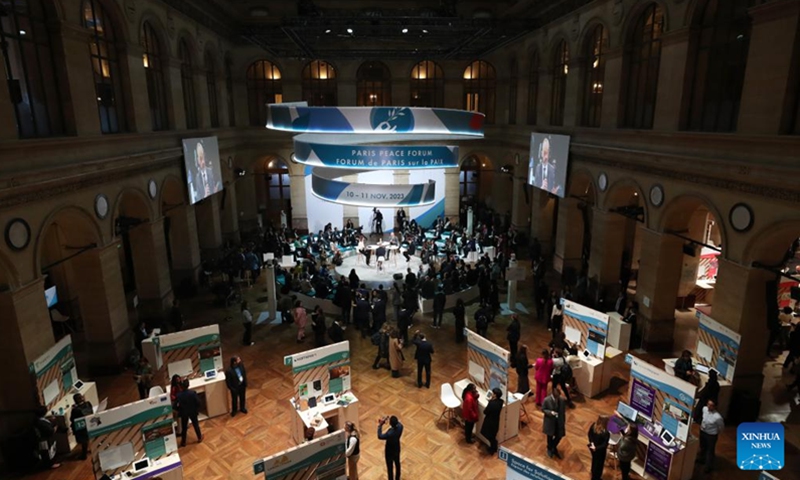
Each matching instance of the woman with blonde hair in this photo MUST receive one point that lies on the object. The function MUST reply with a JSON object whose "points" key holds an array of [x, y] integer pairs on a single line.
{"points": [[353, 450], [395, 353], [598, 445]]}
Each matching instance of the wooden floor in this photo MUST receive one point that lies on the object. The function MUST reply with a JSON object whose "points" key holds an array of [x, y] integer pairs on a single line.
{"points": [[429, 450]]}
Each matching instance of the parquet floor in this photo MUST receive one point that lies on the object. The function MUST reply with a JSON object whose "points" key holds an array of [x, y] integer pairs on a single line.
{"points": [[429, 450]]}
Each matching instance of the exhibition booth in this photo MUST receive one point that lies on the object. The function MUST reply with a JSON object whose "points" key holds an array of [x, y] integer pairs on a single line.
{"points": [[519, 467], [488, 366], [619, 332], [322, 458], [322, 398]]}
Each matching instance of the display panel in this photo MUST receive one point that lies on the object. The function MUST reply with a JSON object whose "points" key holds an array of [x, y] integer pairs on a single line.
{"points": [[548, 160], [203, 171], [51, 297]]}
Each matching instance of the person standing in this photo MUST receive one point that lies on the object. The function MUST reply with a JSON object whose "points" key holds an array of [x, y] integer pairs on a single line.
{"points": [[45, 429], [423, 357], [392, 449], [710, 428], [82, 408], [144, 377], [459, 312], [626, 450], [555, 419], [557, 319], [344, 299], [482, 321], [406, 318], [491, 419], [247, 321], [395, 353], [598, 445], [562, 373], [397, 300], [439, 299], [188, 406], [336, 332], [469, 410], [544, 370], [300, 319], [381, 340], [684, 369], [352, 450], [522, 366], [236, 379], [318, 326], [513, 337], [176, 316], [710, 391]]}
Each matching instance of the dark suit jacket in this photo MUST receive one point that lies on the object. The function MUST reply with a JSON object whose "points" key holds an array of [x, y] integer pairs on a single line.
{"points": [[551, 176], [232, 379], [424, 351], [392, 437], [188, 403]]}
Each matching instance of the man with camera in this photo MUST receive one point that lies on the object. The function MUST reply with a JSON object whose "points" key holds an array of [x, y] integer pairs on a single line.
{"points": [[392, 450], [423, 357]]}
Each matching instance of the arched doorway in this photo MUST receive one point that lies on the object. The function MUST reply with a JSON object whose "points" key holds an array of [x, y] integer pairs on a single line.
{"points": [[619, 244], [273, 191]]}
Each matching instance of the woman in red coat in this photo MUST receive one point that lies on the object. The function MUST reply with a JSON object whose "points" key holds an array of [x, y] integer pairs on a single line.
{"points": [[544, 369], [469, 410]]}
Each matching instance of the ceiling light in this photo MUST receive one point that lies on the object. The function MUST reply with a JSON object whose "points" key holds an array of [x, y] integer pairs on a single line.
{"points": [[328, 31], [424, 31], [23, 32], [405, 30], [350, 31]]}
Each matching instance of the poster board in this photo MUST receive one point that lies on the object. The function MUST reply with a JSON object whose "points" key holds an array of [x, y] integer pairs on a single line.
{"points": [[322, 458], [321, 371], [519, 467], [140, 427], [199, 345], [657, 462], [589, 327], [664, 398], [717, 346], [487, 363], [55, 372]]}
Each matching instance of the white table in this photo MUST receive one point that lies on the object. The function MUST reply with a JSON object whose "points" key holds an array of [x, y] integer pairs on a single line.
{"points": [[725, 387], [509, 416], [331, 415], [619, 332], [215, 392], [167, 468]]}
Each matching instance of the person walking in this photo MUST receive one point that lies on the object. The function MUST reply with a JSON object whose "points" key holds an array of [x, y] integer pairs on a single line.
{"points": [[395, 353], [626, 450], [423, 358], [343, 299], [318, 326], [82, 408], [247, 321], [555, 420], [710, 428], [352, 450], [381, 340], [300, 319], [459, 312], [439, 299], [188, 406], [392, 448], [544, 370], [557, 319], [469, 410], [491, 419], [236, 380], [522, 365], [513, 337], [598, 445]]}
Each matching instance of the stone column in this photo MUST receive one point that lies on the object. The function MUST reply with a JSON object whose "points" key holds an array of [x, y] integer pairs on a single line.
{"points": [[609, 117], [573, 103], [80, 102], [569, 235], [659, 275], [184, 245], [139, 104], [545, 94], [452, 193], [608, 242], [542, 211], [246, 201], [298, 191], [176, 112], [230, 217], [8, 124], [105, 313], [210, 232], [674, 49], [520, 202], [151, 269], [769, 63]]}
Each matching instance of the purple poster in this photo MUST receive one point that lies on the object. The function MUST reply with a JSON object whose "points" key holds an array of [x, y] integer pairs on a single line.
{"points": [[657, 462], [643, 398]]}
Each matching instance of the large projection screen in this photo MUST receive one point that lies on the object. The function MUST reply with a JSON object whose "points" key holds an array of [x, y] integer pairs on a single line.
{"points": [[547, 167], [203, 173]]}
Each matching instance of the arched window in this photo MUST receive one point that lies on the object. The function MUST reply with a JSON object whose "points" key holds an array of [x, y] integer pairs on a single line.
{"points": [[643, 56], [469, 178], [105, 68], [373, 85], [277, 192], [211, 86], [594, 77], [319, 84], [533, 90], [427, 85], [154, 74], [479, 89], [263, 87], [718, 48], [30, 67], [512, 92], [560, 72], [229, 90], [187, 82]]}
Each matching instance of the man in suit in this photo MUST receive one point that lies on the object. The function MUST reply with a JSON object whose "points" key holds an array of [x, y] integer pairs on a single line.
{"points": [[545, 172], [392, 450], [236, 379], [205, 182], [554, 424], [423, 357], [188, 405]]}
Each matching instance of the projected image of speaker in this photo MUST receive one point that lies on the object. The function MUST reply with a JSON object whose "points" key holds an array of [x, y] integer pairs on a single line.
{"points": [[203, 172], [547, 166]]}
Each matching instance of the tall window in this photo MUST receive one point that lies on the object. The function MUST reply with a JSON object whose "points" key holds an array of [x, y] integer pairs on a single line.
{"points": [[229, 91], [105, 68], [560, 72], [263, 87], [373, 85], [278, 190], [594, 76], [479, 89], [720, 40], [319, 84], [512, 92], [643, 52], [187, 82], [469, 179], [427, 85], [211, 85], [533, 90], [30, 67], [154, 73]]}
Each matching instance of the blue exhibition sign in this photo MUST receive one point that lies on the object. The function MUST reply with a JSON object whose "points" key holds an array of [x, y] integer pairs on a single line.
{"points": [[375, 157]]}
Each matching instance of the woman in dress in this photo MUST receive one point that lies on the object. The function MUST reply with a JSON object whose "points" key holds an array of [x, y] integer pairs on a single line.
{"points": [[544, 369], [300, 319], [598, 444], [522, 365], [469, 410], [395, 353]]}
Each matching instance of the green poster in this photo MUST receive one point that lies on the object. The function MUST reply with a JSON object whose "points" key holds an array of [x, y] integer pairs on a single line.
{"points": [[156, 437]]}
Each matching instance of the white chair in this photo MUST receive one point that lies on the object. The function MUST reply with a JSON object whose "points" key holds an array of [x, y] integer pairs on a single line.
{"points": [[155, 391], [62, 320], [523, 412], [450, 402]]}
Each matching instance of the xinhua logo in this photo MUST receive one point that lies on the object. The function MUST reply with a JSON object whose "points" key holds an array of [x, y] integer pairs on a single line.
{"points": [[760, 446]]}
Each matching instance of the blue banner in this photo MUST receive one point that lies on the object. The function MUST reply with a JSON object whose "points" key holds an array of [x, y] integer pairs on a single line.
{"points": [[374, 157], [374, 195]]}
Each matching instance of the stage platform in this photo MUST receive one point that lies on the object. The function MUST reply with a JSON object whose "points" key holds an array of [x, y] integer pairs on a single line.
{"points": [[371, 277]]}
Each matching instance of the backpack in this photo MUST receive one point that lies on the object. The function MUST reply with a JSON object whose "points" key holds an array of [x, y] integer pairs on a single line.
{"points": [[481, 321], [566, 371]]}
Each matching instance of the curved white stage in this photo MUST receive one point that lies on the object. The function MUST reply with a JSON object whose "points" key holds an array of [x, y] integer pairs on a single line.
{"points": [[370, 275]]}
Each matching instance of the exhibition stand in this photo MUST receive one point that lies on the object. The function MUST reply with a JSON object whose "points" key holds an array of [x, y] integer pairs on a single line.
{"points": [[661, 405], [488, 369], [322, 399], [136, 440], [587, 329], [321, 458], [519, 467], [619, 332]]}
